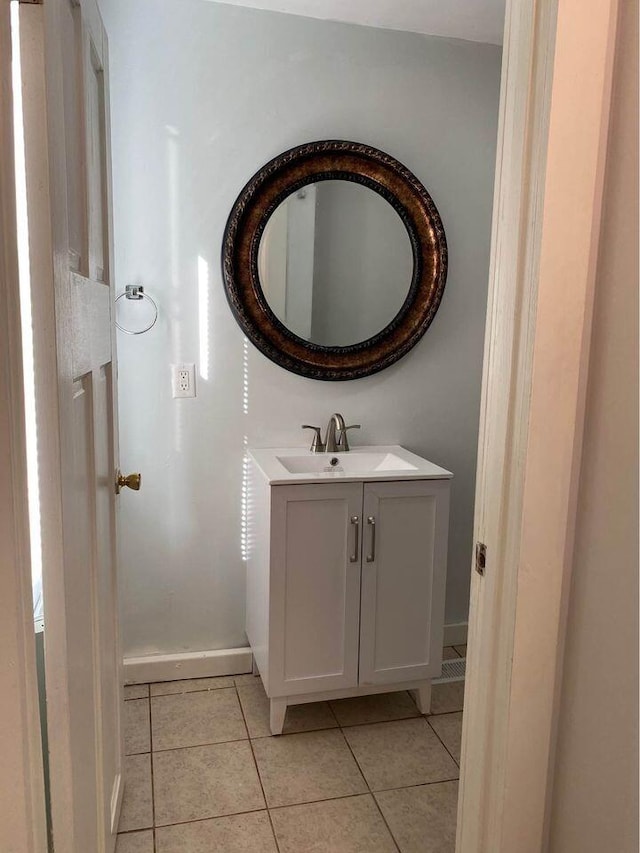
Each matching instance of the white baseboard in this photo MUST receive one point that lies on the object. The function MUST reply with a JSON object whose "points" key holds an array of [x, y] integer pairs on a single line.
{"points": [[455, 634], [150, 668]]}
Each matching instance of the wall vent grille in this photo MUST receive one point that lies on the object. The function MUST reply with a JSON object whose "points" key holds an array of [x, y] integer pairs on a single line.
{"points": [[452, 670]]}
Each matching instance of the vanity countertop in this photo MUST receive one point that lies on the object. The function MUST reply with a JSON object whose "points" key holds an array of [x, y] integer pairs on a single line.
{"points": [[291, 465]]}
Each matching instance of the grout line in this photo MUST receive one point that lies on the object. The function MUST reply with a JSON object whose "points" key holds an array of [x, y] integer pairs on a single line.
{"points": [[134, 831], [196, 745], [366, 782], [327, 701], [244, 719], [267, 808], [301, 732], [325, 800], [153, 790], [333, 713], [292, 805], [416, 785], [134, 698], [456, 762], [377, 722], [208, 817], [255, 763], [189, 692], [194, 690], [397, 788], [288, 734], [339, 725]]}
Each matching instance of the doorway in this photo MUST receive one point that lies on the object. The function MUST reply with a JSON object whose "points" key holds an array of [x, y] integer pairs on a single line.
{"points": [[480, 653]]}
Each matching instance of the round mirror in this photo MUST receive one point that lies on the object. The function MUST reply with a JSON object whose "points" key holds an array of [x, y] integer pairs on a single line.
{"points": [[335, 263], [334, 260]]}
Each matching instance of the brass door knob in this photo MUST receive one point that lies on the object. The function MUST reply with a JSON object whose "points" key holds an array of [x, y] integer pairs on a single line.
{"points": [[131, 481]]}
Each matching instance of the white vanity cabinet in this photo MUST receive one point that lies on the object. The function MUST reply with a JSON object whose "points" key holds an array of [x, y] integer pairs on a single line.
{"points": [[345, 587], [314, 600], [402, 584]]}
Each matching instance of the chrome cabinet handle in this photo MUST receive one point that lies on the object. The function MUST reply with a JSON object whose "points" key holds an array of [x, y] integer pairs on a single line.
{"points": [[372, 523], [355, 521]]}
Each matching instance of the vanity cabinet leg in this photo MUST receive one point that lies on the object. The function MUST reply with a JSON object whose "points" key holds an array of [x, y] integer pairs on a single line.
{"points": [[254, 666], [277, 713], [423, 698]]}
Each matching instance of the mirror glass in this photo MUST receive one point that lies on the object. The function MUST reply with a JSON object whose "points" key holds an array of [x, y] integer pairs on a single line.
{"points": [[335, 263]]}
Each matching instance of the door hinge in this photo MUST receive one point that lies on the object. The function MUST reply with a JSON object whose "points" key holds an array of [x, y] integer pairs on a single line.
{"points": [[481, 557]]}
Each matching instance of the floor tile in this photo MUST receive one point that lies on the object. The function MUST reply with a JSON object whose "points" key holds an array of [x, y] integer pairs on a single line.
{"points": [[447, 697], [246, 833], [352, 825], [135, 842], [190, 685], [449, 653], [136, 726], [401, 753], [374, 709], [193, 719], [462, 650], [136, 691], [422, 819], [247, 678], [137, 808], [299, 718], [306, 767], [448, 727], [205, 781]]}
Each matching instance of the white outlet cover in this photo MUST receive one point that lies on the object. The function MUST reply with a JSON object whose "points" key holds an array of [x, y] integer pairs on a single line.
{"points": [[183, 380]]}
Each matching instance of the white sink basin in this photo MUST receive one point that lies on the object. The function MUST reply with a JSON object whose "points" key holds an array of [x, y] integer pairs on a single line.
{"points": [[297, 465], [333, 463]]}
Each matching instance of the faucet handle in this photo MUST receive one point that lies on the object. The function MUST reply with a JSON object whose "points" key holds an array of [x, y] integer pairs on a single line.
{"points": [[343, 443], [316, 445]]}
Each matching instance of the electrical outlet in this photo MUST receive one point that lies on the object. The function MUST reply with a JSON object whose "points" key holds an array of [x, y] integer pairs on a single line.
{"points": [[183, 380]]}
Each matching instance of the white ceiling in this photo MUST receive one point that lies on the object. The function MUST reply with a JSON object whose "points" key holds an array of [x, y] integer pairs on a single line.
{"points": [[475, 20]]}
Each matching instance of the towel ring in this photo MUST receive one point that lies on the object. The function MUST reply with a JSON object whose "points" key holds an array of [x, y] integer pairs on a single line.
{"points": [[136, 292]]}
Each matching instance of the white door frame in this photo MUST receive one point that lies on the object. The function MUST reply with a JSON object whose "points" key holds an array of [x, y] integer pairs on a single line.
{"points": [[552, 140], [23, 823], [556, 92]]}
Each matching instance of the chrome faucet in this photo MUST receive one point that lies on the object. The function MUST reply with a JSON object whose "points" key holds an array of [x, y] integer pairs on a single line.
{"points": [[336, 424], [335, 437]]}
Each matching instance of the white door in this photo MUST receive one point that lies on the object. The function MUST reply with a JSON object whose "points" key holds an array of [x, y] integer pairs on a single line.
{"points": [[65, 84], [315, 587], [404, 564]]}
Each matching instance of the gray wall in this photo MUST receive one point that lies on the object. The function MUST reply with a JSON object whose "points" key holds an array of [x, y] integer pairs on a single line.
{"points": [[203, 95]]}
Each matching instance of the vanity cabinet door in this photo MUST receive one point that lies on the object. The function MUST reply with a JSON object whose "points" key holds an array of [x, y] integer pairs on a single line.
{"points": [[315, 587], [404, 553]]}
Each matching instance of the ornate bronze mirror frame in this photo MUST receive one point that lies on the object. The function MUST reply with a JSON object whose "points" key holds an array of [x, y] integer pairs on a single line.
{"points": [[289, 172]]}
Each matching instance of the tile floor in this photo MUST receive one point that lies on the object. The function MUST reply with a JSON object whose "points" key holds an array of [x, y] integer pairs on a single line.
{"points": [[366, 775]]}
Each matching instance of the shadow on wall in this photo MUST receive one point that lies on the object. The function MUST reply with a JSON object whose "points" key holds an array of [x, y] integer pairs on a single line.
{"points": [[202, 95]]}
